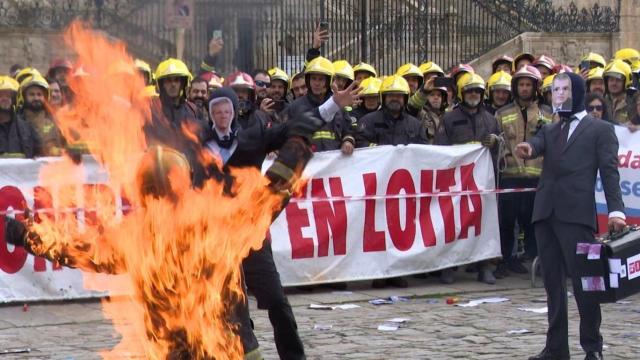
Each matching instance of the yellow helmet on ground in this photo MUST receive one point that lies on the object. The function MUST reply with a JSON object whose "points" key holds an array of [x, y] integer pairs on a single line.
{"points": [[547, 83], [370, 86], [9, 83], [173, 68], [365, 68], [429, 68], [409, 69], [630, 56], [618, 69], [319, 65], [468, 82], [278, 74], [28, 71], [595, 58], [343, 69], [499, 80]]}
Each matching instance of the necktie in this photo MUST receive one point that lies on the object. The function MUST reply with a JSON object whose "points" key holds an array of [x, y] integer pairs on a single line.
{"points": [[564, 133]]}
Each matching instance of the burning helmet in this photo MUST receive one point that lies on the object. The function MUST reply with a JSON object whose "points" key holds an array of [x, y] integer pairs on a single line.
{"points": [[429, 68], [546, 61], [469, 82], [618, 69], [364, 67], [521, 56], [343, 69], [595, 58], [158, 170], [504, 59], [370, 86], [499, 80]]}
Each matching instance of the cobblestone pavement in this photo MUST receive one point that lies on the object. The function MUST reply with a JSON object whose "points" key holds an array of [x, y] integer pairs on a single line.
{"points": [[435, 330]]}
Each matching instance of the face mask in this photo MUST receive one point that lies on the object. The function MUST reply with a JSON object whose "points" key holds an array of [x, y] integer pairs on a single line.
{"points": [[244, 107]]}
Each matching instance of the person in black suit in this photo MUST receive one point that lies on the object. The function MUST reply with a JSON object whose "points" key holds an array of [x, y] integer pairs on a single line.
{"points": [[564, 214], [238, 147]]}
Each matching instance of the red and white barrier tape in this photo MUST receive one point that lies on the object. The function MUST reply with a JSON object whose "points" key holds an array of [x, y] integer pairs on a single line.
{"points": [[71, 210]]}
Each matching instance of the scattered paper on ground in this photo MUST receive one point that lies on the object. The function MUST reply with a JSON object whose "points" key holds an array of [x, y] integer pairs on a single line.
{"points": [[542, 310], [477, 302]]}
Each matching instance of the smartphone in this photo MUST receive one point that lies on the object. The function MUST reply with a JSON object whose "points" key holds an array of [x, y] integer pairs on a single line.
{"points": [[585, 64], [442, 81], [324, 25], [216, 34], [278, 105]]}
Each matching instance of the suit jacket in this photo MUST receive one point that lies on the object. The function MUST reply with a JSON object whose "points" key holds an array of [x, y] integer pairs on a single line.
{"points": [[567, 185]]}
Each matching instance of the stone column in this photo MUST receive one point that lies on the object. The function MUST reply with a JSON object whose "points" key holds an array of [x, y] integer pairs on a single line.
{"points": [[629, 19]]}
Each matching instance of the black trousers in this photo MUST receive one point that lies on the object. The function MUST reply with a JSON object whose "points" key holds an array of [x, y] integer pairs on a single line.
{"points": [[518, 207], [557, 252], [263, 281]]}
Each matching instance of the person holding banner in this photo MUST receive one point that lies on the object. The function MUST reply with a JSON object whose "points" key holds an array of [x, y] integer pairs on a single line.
{"points": [[564, 213], [469, 122]]}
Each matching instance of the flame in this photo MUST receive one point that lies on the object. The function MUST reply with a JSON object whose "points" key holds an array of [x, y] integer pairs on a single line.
{"points": [[182, 256]]}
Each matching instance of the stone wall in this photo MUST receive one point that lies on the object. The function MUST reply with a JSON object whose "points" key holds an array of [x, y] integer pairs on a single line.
{"points": [[29, 47], [566, 48]]}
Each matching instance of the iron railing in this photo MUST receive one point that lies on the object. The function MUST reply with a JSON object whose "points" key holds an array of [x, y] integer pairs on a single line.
{"points": [[266, 33]]}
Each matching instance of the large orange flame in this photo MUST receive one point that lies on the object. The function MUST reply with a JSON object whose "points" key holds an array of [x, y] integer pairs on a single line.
{"points": [[182, 256]]}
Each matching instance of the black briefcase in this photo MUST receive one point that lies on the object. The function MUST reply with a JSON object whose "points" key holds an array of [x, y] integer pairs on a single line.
{"points": [[609, 270]]}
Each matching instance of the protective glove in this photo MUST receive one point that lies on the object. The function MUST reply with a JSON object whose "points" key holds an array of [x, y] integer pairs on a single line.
{"points": [[490, 140]]}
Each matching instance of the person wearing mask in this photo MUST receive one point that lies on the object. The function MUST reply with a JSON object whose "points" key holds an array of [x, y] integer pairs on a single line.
{"points": [[545, 89], [575, 150], [391, 125], [617, 76], [48, 140], [466, 123], [520, 120], [596, 106], [502, 63], [499, 89], [198, 95], [16, 140]]}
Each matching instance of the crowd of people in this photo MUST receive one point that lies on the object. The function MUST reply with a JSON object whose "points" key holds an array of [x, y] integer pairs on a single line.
{"points": [[360, 108]]}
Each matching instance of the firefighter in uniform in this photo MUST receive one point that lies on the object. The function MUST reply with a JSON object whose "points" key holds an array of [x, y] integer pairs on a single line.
{"points": [[545, 65], [499, 91], [16, 137], [413, 75], [364, 71], [617, 78], [502, 63], [520, 121], [469, 122], [370, 97]]}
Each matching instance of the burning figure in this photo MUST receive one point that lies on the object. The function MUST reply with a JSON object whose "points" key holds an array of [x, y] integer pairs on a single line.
{"points": [[182, 245]]}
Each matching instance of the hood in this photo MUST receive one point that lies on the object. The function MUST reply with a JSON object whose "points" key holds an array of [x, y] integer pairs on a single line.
{"points": [[578, 89]]}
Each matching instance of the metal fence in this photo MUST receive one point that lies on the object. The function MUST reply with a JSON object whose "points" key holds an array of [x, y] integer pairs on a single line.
{"points": [[266, 33]]}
